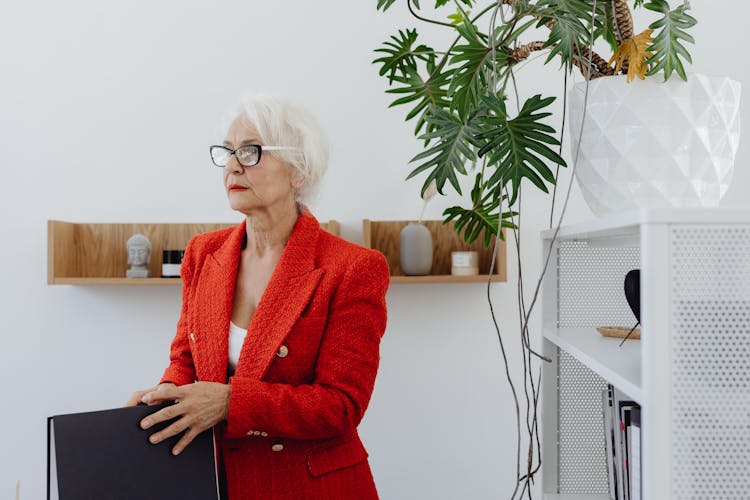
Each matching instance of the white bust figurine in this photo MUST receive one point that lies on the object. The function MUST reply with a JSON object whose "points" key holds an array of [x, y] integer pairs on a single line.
{"points": [[139, 255]]}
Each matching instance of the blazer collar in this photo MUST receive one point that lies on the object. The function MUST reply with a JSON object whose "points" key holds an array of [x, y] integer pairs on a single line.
{"points": [[288, 291], [298, 256]]}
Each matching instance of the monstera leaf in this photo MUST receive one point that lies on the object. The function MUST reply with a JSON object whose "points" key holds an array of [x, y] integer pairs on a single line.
{"points": [[667, 47], [567, 31], [426, 93], [453, 142], [385, 4], [482, 217], [517, 147], [468, 81], [401, 53]]}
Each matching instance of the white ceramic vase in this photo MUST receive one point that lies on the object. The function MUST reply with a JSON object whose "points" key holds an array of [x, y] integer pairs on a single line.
{"points": [[655, 144], [415, 249]]}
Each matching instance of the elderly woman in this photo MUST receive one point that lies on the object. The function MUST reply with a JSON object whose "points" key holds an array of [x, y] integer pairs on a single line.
{"points": [[277, 344]]}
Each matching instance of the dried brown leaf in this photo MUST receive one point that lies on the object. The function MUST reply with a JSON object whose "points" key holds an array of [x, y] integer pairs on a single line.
{"points": [[634, 51]]}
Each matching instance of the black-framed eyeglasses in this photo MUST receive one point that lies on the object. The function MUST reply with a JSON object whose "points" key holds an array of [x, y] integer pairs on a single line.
{"points": [[247, 156]]}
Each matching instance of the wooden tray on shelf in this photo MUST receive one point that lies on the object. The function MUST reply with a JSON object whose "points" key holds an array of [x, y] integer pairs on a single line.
{"points": [[618, 332]]}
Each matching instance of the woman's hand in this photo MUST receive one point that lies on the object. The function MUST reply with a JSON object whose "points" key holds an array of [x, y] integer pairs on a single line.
{"points": [[200, 406], [137, 397]]}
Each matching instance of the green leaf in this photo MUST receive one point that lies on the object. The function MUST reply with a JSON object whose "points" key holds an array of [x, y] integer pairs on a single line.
{"points": [[518, 147], [385, 4], [400, 53], [440, 3], [470, 223], [667, 47], [568, 30], [518, 30], [581, 9], [572, 26], [460, 16], [469, 80], [605, 27], [564, 38], [482, 217], [456, 19], [453, 145], [430, 92]]}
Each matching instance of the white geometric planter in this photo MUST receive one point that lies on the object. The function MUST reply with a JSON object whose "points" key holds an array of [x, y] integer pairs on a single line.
{"points": [[655, 144]]}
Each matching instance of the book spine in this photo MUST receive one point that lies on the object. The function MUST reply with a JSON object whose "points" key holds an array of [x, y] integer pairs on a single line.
{"points": [[609, 442]]}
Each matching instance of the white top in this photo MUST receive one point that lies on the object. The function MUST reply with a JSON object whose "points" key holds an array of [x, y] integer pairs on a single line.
{"points": [[236, 338]]}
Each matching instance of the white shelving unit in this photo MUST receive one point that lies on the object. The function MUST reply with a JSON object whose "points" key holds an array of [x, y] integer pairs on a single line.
{"points": [[553, 496], [691, 371], [620, 366]]}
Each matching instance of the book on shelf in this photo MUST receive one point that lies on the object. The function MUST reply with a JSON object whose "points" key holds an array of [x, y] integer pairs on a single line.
{"points": [[609, 442], [635, 453], [622, 443]]}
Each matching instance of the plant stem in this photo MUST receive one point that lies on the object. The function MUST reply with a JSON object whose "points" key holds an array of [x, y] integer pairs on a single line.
{"points": [[570, 184], [431, 21], [522, 52], [595, 66], [444, 59], [622, 20], [562, 131]]}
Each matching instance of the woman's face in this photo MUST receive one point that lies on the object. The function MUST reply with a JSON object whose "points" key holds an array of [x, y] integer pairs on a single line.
{"points": [[267, 185]]}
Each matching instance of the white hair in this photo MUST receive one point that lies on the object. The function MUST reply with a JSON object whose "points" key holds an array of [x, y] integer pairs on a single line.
{"points": [[281, 122]]}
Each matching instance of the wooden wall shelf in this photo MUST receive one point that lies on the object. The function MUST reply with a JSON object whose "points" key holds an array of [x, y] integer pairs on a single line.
{"points": [[384, 237], [95, 254]]}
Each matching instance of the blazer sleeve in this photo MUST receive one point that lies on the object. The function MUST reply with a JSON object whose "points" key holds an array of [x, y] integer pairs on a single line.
{"points": [[345, 372], [181, 369]]}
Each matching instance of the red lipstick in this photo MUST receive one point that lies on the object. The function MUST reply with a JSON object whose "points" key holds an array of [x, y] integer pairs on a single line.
{"points": [[237, 187]]}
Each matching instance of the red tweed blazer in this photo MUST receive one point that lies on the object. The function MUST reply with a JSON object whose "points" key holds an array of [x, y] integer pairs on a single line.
{"points": [[307, 366]]}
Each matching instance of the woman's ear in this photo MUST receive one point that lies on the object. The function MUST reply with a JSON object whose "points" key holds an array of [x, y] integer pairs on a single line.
{"points": [[296, 179]]}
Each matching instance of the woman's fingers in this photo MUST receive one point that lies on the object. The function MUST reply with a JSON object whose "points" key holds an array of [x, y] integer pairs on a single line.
{"points": [[176, 428], [162, 415], [137, 396], [160, 393], [201, 406], [134, 399], [185, 440], [147, 396]]}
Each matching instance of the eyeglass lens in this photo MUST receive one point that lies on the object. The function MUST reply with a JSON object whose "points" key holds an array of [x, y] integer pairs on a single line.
{"points": [[247, 156]]}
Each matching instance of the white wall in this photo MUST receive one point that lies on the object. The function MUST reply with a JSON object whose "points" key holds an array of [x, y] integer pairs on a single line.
{"points": [[106, 112]]}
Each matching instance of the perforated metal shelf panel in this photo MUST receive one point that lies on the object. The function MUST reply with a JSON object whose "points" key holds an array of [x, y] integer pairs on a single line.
{"points": [[581, 451], [710, 335], [590, 293], [591, 284]]}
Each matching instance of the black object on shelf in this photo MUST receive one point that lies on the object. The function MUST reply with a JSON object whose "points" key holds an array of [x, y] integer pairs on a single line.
{"points": [[170, 264], [633, 296]]}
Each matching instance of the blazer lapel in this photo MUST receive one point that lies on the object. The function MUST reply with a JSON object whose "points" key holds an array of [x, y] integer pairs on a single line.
{"points": [[214, 294], [288, 291]]}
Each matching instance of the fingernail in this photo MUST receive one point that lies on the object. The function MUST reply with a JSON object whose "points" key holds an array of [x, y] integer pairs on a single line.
{"points": [[176, 452], [146, 399], [154, 439], [145, 424]]}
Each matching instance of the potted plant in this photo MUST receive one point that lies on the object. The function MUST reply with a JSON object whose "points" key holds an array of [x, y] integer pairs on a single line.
{"points": [[456, 98]]}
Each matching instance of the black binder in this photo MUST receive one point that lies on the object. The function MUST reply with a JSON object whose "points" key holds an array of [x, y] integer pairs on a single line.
{"points": [[106, 455]]}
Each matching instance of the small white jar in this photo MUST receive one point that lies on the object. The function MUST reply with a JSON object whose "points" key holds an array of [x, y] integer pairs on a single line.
{"points": [[465, 263]]}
